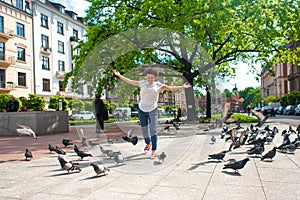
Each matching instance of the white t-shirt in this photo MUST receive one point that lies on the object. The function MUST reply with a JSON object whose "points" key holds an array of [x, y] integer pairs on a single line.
{"points": [[149, 95]]}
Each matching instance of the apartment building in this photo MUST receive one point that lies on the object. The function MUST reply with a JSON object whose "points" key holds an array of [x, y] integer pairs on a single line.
{"points": [[16, 50], [56, 32], [277, 82]]}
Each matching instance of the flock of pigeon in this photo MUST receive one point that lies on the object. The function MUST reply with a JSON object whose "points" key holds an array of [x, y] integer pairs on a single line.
{"points": [[255, 136], [99, 169]]}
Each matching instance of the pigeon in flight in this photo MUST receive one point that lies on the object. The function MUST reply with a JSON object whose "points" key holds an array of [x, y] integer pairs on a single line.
{"points": [[66, 142], [270, 154], [69, 166], [129, 137], [236, 165], [28, 154], [100, 169], [26, 130], [161, 157]]}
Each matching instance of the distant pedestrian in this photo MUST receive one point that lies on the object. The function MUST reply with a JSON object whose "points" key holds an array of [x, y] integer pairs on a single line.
{"points": [[178, 114], [12, 105], [101, 113], [248, 110]]}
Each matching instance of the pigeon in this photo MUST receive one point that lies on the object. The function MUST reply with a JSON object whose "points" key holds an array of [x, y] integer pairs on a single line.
{"points": [[269, 154], [161, 157], [217, 156], [257, 150], [119, 159], [236, 165], [28, 154], [66, 142], [26, 130], [176, 126], [69, 166], [291, 130], [59, 151], [109, 141], [129, 137], [76, 149], [288, 148], [112, 154], [213, 139], [92, 144], [51, 148], [100, 169], [167, 128], [82, 154], [83, 138]]}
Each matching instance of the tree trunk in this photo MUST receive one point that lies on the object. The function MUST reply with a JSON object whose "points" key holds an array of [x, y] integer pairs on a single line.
{"points": [[208, 103], [192, 115]]}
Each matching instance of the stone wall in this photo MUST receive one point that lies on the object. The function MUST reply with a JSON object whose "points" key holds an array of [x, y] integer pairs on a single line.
{"points": [[42, 122]]}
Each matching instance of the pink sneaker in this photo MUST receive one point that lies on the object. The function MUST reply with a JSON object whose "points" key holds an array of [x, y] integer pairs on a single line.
{"points": [[147, 147]]}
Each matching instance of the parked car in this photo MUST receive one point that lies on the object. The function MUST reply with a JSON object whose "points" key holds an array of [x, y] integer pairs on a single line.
{"points": [[268, 111], [289, 110], [83, 115], [280, 110], [258, 109], [297, 110]]}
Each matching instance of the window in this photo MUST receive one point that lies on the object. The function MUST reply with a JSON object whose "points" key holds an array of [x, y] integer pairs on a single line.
{"points": [[21, 79], [45, 41], [21, 54], [61, 65], [75, 34], [45, 63], [2, 78], [46, 84], [60, 28], [2, 51], [1, 25], [62, 9], [61, 85], [74, 16], [44, 21], [61, 48], [20, 4], [20, 30]]}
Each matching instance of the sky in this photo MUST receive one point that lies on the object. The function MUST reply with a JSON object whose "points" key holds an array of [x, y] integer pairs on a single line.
{"points": [[243, 78]]}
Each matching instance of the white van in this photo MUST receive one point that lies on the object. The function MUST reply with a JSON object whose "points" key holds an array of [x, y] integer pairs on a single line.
{"points": [[122, 113]]}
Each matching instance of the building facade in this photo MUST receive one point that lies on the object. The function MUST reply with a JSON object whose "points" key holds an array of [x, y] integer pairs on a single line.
{"points": [[56, 33], [16, 47], [277, 83]]}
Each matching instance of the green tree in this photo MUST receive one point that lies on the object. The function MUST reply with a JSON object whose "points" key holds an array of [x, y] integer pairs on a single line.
{"points": [[290, 99], [227, 93], [54, 102], [35, 102], [270, 99], [250, 95], [4, 98], [228, 31], [76, 104], [88, 105]]}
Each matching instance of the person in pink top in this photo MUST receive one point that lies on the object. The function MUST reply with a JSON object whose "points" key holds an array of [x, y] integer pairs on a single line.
{"points": [[147, 108]]}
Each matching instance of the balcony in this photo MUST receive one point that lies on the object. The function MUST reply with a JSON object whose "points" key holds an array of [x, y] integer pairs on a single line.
{"points": [[60, 74], [67, 95], [46, 50], [6, 33], [6, 61], [6, 88]]}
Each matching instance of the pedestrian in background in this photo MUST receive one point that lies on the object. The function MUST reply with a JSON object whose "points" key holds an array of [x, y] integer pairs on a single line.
{"points": [[101, 113], [12, 105]]}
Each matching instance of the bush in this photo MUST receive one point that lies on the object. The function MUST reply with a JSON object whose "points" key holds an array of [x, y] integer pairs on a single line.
{"points": [[54, 102], [34, 102], [244, 118], [76, 104], [4, 98]]}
